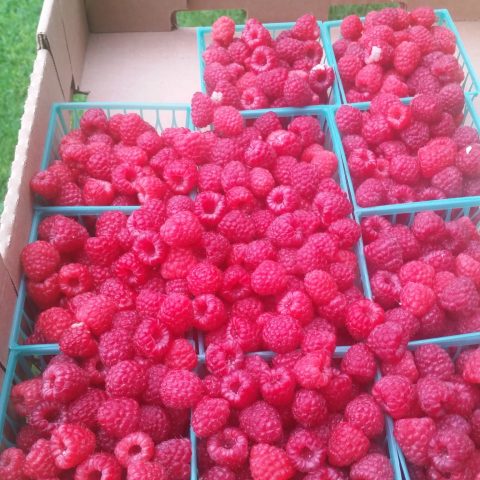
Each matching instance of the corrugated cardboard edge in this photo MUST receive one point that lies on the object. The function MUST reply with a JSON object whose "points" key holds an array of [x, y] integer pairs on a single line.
{"points": [[16, 218], [8, 296]]}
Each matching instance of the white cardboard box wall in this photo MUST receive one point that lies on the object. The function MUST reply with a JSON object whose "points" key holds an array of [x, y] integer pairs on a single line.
{"points": [[141, 66]]}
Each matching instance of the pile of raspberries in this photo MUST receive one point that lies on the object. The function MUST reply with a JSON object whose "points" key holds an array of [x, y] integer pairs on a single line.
{"points": [[426, 276], [398, 153], [395, 51], [257, 71]]}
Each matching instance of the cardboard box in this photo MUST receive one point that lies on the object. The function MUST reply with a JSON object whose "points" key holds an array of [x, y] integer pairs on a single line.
{"points": [[124, 51]]}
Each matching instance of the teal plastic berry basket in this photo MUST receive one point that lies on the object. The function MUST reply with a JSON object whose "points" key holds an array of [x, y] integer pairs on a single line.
{"points": [[204, 39], [470, 118], [65, 117], [470, 84], [450, 210], [23, 366]]}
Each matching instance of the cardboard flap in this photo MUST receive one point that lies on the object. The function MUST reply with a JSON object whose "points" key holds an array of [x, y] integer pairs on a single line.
{"points": [[16, 218], [111, 16], [8, 296]]}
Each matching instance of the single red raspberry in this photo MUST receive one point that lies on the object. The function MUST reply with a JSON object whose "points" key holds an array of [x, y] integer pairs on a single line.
{"points": [[97, 313], [362, 317], [369, 78], [210, 416], [348, 120], [309, 408], [181, 389], [364, 413], [297, 91], [433, 396], [385, 288], [313, 370], [277, 386], [78, 341], [174, 455], [46, 184], [351, 27], [371, 193], [321, 286], [12, 461], [227, 121], [71, 444], [269, 462], [359, 363], [40, 462], [64, 233], [223, 30], [433, 360], [459, 295], [417, 298], [46, 415], [395, 394], [302, 440], [306, 28], [126, 379], [348, 67], [388, 341], [371, 466], [139, 470], [181, 230], [468, 160], [181, 355], [261, 422], [99, 464], [53, 322], [240, 388], [268, 278], [281, 333], [63, 382], [44, 294], [449, 450], [347, 444], [26, 437], [74, 279], [118, 416], [135, 447], [84, 409]]}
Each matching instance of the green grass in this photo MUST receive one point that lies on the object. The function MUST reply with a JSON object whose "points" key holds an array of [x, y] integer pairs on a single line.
{"points": [[337, 12], [204, 18], [18, 23]]}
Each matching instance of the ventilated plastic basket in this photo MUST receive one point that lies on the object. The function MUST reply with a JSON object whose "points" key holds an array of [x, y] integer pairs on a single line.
{"points": [[470, 118], [204, 38], [450, 210], [471, 83], [65, 117]]}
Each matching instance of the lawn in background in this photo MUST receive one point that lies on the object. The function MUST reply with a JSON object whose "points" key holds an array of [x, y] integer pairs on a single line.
{"points": [[18, 23]]}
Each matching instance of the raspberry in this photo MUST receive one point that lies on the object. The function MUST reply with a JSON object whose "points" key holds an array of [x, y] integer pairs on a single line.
{"points": [[433, 396], [140, 470], [12, 461], [228, 448], [239, 388], [348, 120], [449, 449], [39, 462], [223, 30], [370, 193], [46, 184], [416, 135], [155, 422], [177, 454], [281, 333], [297, 91], [313, 370], [369, 79], [395, 394], [255, 34], [99, 464], [118, 416], [306, 450], [135, 447], [426, 108], [449, 181], [125, 379], [470, 369], [385, 288], [236, 283], [97, 313], [181, 230], [348, 67], [268, 278], [459, 295], [308, 130], [180, 389], [210, 416], [227, 121], [270, 463], [406, 57], [465, 136], [277, 386], [452, 98], [84, 409], [236, 226], [306, 28], [71, 444], [468, 160], [261, 422], [417, 298], [428, 226], [364, 413], [373, 465], [208, 312], [63, 382], [44, 294], [296, 304], [388, 341], [63, 233], [351, 27], [97, 192], [359, 363], [39, 260], [433, 360], [362, 317], [77, 341], [347, 444], [53, 322], [362, 163], [321, 286]]}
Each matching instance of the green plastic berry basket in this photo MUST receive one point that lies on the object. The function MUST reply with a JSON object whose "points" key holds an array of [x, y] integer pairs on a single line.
{"points": [[470, 84], [65, 117], [470, 118], [204, 38], [24, 366]]}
